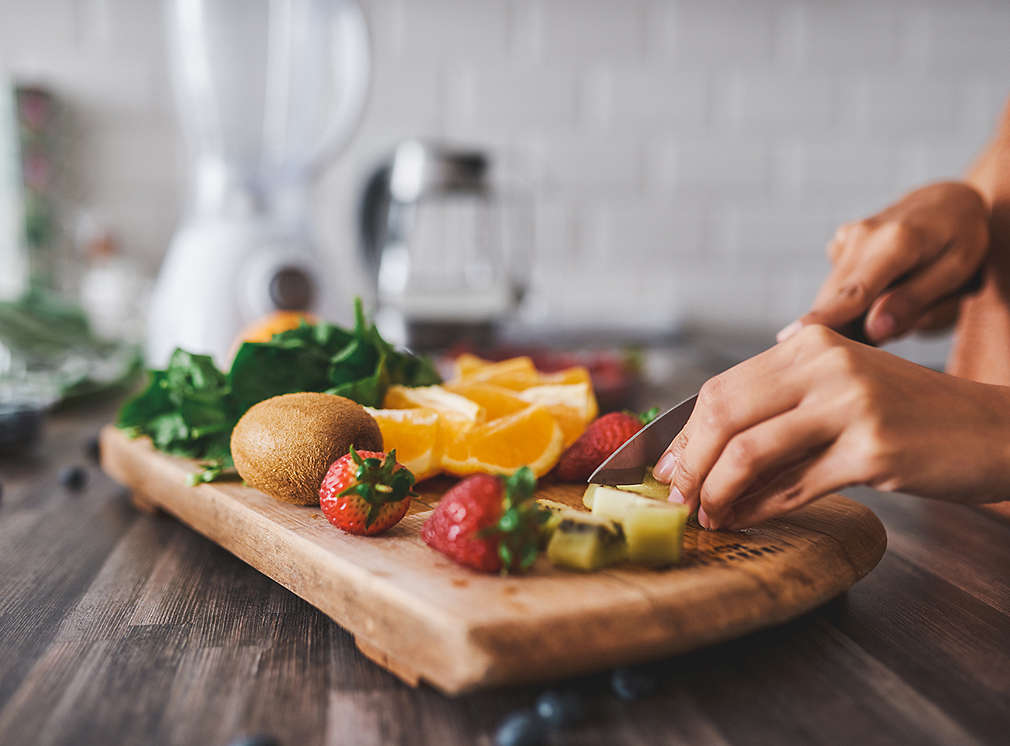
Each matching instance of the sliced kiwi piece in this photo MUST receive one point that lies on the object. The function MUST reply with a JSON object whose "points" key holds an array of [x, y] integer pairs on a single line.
{"points": [[613, 503], [657, 491], [583, 541], [547, 527], [655, 533], [648, 487]]}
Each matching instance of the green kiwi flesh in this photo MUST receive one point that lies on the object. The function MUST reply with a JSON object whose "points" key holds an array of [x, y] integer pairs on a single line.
{"points": [[586, 542]]}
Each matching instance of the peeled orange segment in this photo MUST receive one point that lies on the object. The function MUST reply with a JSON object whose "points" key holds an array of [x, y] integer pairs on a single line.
{"points": [[415, 434], [457, 414], [516, 373], [440, 399], [530, 437], [572, 404], [575, 374], [467, 364], [497, 401]]}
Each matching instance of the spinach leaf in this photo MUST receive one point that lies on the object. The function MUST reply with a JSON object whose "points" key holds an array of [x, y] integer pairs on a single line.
{"points": [[368, 391]]}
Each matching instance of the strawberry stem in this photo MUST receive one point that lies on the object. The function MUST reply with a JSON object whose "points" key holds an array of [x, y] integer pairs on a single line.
{"points": [[379, 482], [518, 527]]}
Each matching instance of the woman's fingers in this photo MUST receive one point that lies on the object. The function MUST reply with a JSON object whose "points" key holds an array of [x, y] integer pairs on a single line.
{"points": [[731, 401], [760, 451], [878, 256], [818, 476], [898, 310], [940, 317], [722, 411]]}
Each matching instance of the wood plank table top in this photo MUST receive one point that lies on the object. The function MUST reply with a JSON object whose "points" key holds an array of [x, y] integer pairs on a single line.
{"points": [[119, 627]]}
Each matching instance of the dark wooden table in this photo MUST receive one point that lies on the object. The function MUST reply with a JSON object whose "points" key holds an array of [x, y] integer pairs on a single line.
{"points": [[118, 627]]}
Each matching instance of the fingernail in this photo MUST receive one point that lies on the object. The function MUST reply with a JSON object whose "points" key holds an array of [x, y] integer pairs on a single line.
{"points": [[882, 326], [676, 496], [703, 517], [787, 331], [665, 466]]}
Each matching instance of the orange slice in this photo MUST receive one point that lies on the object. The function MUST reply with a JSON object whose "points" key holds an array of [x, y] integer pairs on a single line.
{"points": [[467, 364], [458, 414], [516, 373], [530, 437], [497, 401], [575, 374], [572, 404], [416, 436], [440, 399]]}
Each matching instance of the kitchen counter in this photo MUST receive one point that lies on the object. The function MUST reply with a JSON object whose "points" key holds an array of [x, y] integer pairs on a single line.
{"points": [[121, 627]]}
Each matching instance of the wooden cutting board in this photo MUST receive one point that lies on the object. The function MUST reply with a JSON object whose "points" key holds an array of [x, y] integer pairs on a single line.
{"points": [[418, 614]]}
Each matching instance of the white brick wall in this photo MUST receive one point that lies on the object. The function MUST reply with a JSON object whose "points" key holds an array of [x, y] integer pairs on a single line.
{"points": [[692, 156]]}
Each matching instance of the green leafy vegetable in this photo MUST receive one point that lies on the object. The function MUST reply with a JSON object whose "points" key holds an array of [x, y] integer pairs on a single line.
{"points": [[190, 408]]}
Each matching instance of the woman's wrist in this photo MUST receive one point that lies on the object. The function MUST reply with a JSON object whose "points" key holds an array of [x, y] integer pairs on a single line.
{"points": [[995, 444]]}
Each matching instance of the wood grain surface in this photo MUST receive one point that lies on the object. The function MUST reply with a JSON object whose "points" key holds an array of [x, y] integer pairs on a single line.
{"points": [[119, 627], [420, 615]]}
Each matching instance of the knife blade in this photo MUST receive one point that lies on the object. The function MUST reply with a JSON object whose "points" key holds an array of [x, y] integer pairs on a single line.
{"points": [[627, 464]]}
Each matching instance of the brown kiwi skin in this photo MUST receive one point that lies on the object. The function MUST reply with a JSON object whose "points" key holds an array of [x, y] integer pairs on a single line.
{"points": [[284, 445]]}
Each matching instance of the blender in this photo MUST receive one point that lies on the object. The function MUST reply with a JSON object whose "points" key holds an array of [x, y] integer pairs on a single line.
{"points": [[267, 92]]}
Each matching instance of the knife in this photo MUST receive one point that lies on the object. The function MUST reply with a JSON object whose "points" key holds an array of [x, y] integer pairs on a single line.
{"points": [[627, 464]]}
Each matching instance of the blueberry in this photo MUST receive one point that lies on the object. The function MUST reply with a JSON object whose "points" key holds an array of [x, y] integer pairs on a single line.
{"points": [[560, 709], [633, 683], [93, 449], [73, 477], [521, 728], [258, 739]]}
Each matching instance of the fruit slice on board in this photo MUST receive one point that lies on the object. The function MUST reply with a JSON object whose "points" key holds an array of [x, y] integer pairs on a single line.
{"points": [[530, 437], [576, 374], [556, 509], [467, 364], [572, 404], [458, 413], [516, 373], [649, 487], [583, 541], [655, 533], [612, 503], [497, 401], [415, 435]]}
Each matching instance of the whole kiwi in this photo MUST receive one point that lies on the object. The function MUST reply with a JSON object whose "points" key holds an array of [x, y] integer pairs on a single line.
{"points": [[284, 445]]}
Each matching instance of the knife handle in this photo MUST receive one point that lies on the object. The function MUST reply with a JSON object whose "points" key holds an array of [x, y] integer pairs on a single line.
{"points": [[856, 329]]}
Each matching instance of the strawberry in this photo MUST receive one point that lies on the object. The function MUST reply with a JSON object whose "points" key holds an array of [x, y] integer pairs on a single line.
{"points": [[603, 436], [366, 492], [488, 523]]}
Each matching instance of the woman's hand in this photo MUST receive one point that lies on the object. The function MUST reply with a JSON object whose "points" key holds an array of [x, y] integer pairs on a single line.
{"points": [[903, 265], [819, 412]]}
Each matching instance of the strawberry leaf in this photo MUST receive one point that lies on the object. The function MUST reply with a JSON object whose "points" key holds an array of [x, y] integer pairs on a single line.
{"points": [[648, 415], [518, 527]]}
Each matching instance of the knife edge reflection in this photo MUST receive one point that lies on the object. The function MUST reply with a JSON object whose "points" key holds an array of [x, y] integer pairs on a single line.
{"points": [[627, 464]]}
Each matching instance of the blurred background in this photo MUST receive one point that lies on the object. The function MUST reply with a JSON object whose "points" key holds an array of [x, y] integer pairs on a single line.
{"points": [[641, 169]]}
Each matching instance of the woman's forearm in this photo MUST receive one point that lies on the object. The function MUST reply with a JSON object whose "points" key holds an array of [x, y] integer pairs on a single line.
{"points": [[982, 344], [990, 173]]}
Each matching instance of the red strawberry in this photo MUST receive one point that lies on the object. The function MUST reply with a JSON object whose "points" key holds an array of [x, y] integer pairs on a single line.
{"points": [[488, 523], [366, 492], [603, 436]]}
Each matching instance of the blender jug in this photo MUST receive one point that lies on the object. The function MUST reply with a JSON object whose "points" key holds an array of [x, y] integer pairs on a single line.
{"points": [[267, 91]]}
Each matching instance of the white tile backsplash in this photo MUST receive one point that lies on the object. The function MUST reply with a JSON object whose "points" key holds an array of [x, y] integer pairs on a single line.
{"points": [[719, 141]]}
